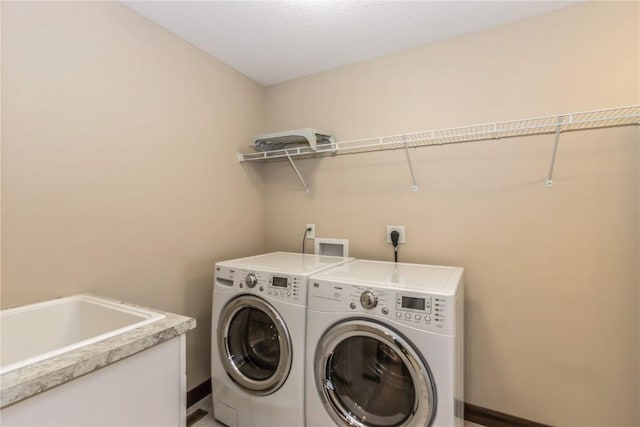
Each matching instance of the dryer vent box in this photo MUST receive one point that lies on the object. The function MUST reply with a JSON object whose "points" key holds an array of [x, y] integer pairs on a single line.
{"points": [[331, 247]]}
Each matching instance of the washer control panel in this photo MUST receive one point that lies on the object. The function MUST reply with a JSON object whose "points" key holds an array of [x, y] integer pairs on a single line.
{"points": [[416, 309], [421, 307], [250, 280], [368, 299], [274, 285]]}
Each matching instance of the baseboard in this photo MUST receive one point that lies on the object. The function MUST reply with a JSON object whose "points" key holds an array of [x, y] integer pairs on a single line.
{"points": [[198, 393], [474, 413], [490, 418]]}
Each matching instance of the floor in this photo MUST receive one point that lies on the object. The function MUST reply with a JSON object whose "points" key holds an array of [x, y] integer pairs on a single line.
{"points": [[205, 404], [208, 421]]}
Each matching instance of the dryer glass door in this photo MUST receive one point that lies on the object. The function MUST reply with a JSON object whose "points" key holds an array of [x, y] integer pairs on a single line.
{"points": [[369, 375], [257, 346]]}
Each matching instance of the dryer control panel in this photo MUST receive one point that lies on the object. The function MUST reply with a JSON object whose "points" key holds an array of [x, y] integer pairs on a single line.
{"points": [[284, 287], [420, 310]]}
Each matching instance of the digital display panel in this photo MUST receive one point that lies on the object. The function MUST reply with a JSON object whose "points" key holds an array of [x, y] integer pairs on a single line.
{"points": [[280, 282], [413, 303]]}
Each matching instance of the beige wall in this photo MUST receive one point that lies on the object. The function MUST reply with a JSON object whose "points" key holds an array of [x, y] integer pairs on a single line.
{"points": [[119, 178], [0, 153], [118, 171], [551, 273]]}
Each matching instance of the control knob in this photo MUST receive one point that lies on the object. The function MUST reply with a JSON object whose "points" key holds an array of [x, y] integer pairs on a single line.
{"points": [[251, 280], [368, 300]]}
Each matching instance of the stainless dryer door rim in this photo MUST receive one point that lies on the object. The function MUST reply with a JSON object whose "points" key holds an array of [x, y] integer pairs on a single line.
{"points": [[424, 405], [250, 385]]}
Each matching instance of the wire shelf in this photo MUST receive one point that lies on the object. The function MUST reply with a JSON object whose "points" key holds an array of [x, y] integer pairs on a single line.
{"points": [[610, 117]]}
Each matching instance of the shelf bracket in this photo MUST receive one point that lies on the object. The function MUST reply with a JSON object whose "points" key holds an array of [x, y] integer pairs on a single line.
{"points": [[413, 177], [293, 165], [555, 150]]}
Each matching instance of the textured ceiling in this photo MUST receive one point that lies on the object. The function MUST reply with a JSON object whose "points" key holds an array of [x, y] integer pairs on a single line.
{"points": [[275, 41]]}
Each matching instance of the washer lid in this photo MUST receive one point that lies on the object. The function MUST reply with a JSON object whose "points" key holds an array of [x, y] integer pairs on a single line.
{"points": [[254, 345], [290, 262], [443, 280], [368, 375]]}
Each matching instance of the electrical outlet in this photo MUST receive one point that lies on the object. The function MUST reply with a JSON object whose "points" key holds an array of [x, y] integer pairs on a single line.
{"points": [[312, 233], [399, 229]]}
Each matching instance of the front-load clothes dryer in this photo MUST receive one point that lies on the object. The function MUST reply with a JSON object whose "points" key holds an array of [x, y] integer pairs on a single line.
{"points": [[258, 342], [385, 346]]}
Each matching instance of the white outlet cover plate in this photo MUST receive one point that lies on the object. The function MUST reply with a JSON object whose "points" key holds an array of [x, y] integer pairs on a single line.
{"points": [[311, 234], [399, 229]]}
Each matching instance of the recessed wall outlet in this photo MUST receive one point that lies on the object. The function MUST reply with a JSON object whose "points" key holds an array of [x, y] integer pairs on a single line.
{"points": [[311, 234], [399, 229]]}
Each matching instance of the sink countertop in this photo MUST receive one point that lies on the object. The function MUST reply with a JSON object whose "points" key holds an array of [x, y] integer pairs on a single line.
{"points": [[21, 383]]}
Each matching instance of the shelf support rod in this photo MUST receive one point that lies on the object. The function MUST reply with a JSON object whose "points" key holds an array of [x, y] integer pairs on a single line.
{"points": [[413, 177], [293, 165], [555, 150]]}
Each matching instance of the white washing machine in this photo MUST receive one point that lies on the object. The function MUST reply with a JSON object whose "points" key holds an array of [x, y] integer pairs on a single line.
{"points": [[258, 342], [385, 346]]}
